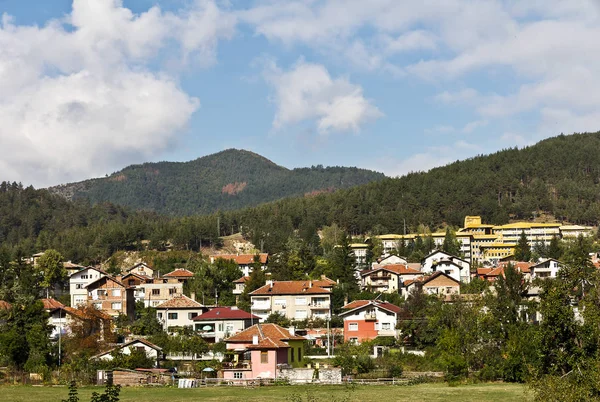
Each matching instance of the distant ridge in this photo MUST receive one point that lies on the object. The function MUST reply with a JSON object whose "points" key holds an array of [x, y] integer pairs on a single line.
{"points": [[226, 180]]}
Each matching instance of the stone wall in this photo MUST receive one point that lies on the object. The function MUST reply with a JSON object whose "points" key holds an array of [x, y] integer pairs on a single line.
{"points": [[330, 375]]}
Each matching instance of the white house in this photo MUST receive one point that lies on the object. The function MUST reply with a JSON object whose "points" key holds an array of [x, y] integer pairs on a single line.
{"points": [[152, 351], [454, 266], [439, 283], [387, 278], [222, 322], [390, 260], [545, 269], [141, 268], [178, 312], [79, 281]]}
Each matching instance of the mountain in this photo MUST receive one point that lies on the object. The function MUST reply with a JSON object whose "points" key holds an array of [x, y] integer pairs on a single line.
{"points": [[227, 180]]}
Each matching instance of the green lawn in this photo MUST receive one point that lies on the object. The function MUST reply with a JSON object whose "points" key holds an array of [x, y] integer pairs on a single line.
{"points": [[375, 393]]}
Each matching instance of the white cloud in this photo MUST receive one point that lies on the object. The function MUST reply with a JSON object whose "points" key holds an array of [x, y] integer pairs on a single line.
{"points": [[464, 95], [474, 125], [307, 92], [77, 98]]}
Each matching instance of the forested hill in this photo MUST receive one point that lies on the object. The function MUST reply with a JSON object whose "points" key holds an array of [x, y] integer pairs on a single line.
{"points": [[227, 180]]}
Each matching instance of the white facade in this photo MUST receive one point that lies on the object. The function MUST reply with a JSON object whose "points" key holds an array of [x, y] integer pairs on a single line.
{"points": [[78, 282], [127, 348], [545, 269], [457, 268]]}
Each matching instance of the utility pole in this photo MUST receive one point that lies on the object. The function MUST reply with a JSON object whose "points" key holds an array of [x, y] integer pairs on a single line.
{"points": [[59, 334], [328, 338]]}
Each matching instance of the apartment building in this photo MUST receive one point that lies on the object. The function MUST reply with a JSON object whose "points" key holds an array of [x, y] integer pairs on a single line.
{"points": [[78, 282], [111, 296], [296, 300], [387, 278], [178, 312], [367, 319]]}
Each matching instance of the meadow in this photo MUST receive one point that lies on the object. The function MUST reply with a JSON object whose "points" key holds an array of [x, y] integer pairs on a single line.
{"points": [[499, 392]]}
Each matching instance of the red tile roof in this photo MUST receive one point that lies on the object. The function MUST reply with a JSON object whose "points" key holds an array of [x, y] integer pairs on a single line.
{"points": [[225, 313], [243, 279], [179, 273], [242, 259], [270, 336], [375, 303], [290, 288], [52, 304], [398, 269], [180, 301], [520, 266], [85, 315]]}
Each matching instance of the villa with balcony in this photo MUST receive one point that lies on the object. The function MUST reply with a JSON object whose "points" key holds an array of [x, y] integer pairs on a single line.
{"points": [[222, 322], [387, 278], [295, 300]]}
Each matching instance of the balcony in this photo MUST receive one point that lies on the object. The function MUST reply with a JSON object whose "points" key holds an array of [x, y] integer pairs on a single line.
{"points": [[380, 277], [319, 305], [370, 317], [245, 365]]}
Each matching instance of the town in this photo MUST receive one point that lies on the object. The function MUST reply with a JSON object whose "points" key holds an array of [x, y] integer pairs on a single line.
{"points": [[289, 329]]}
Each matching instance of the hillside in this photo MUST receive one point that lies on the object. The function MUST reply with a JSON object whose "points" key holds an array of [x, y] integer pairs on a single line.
{"points": [[559, 176], [227, 180]]}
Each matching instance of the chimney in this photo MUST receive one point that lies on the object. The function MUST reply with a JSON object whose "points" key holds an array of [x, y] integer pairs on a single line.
{"points": [[310, 284], [345, 300], [233, 308], [270, 283], [292, 330], [255, 339], [193, 296]]}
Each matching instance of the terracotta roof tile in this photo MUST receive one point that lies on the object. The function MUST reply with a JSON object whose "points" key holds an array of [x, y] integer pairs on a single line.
{"points": [[268, 343], [52, 304], [290, 288], [225, 313], [242, 259], [84, 315], [375, 303], [272, 331], [398, 269], [243, 279], [355, 304], [180, 301], [179, 273]]}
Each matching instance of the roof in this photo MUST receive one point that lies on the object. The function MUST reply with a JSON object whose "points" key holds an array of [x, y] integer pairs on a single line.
{"points": [[359, 304], [52, 304], [94, 268], [4, 305], [453, 257], [290, 288], [521, 266], [358, 245], [70, 265], [272, 333], [543, 262], [242, 259], [141, 340], [225, 313], [137, 265], [179, 273], [426, 279], [81, 314], [180, 301], [139, 276], [527, 225], [398, 269], [243, 279], [107, 278]]}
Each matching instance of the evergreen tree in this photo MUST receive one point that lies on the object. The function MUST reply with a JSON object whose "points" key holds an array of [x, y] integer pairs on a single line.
{"points": [[52, 268], [451, 244], [343, 266], [554, 249], [522, 250]]}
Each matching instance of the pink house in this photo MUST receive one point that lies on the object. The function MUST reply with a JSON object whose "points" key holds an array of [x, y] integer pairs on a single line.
{"points": [[260, 350]]}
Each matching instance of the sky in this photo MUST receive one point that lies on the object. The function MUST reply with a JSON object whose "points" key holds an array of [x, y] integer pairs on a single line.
{"points": [[89, 87]]}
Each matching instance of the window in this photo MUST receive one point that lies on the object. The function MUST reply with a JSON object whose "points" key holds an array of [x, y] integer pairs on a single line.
{"points": [[172, 291], [140, 349], [84, 276], [155, 303], [299, 354], [264, 357], [300, 301], [98, 306], [353, 326], [131, 282], [386, 326], [79, 286], [220, 327], [238, 375], [293, 354], [159, 315], [115, 306], [172, 316], [279, 302], [353, 340], [229, 328], [192, 315], [301, 314], [155, 292], [116, 292]]}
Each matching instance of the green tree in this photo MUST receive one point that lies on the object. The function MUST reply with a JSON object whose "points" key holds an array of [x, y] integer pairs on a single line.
{"points": [[522, 249], [451, 245], [52, 267]]}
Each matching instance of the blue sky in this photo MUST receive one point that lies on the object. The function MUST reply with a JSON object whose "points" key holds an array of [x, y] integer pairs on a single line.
{"points": [[87, 88]]}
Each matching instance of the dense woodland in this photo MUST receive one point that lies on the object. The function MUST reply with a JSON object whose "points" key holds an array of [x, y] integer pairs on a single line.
{"points": [[558, 176], [227, 180]]}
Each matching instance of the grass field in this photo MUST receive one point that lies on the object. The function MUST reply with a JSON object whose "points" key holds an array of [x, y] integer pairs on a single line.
{"points": [[366, 393]]}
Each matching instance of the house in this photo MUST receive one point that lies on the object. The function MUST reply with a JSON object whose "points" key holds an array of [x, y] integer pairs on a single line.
{"points": [[439, 283], [454, 266], [152, 351], [112, 296], [152, 291], [359, 250], [57, 318], [296, 300], [61, 318], [182, 275], [492, 273], [72, 268], [222, 322], [141, 268], [178, 312], [78, 282], [240, 285], [387, 278], [245, 261], [368, 319], [260, 350], [546, 269], [390, 260]]}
